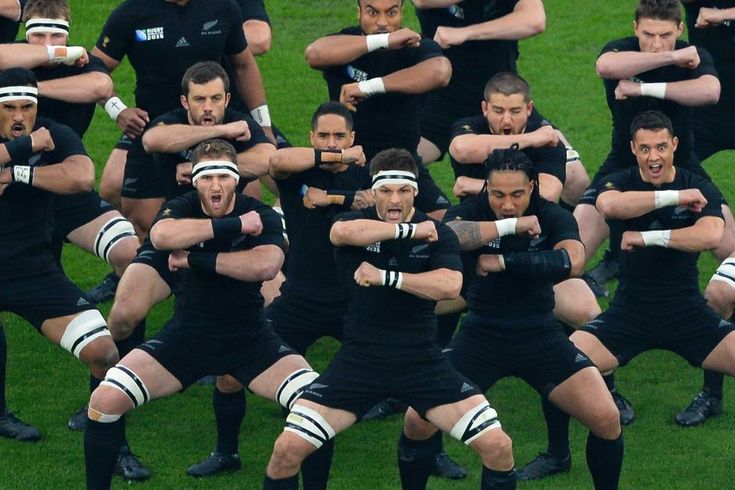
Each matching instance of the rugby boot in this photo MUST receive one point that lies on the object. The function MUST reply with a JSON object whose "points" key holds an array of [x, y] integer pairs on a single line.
{"points": [[105, 290], [544, 465], [446, 467], [78, 420], [215, 463], [702, 407], [13, 428], [129, 466], [627, 415], [606, 269], [597, 288]]}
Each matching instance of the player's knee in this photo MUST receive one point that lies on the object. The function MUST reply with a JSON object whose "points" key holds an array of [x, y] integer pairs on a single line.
{"points": [[289, 451], [606, 423], [310, 427], [495, 448], [228, 384], [720, 292], [87, 337], [107, 405], [416, 428], [126, 313], [116, 241], [293, 385], [122, 389]]}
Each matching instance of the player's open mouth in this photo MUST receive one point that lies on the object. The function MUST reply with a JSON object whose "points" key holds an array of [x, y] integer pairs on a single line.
{"points": [[216, 200], [506, 131], [655, 168], [17, 130], [394, 214], [208, 121]]}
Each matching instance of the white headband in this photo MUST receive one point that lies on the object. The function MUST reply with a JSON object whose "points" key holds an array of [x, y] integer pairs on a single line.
{"points": [[391, 177], [215, 167], [60, 26], [8, 94]]}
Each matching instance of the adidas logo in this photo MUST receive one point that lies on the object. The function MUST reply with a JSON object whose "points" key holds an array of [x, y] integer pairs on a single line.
{"points": [[283, 348], [82, 302], [182, 43], [465, 388], [392, 262], [580, 358]]}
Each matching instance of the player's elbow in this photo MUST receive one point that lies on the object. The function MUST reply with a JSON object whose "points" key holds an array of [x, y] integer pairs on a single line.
{"points": [[339, 235], [460, 149], [83, 179], [712, 239], [258, 34], [158, 237], [605, 207], [314, 56], [604, 68], [103, 88], [537, 24], [151, 143], [711, 94], [441, 72]]}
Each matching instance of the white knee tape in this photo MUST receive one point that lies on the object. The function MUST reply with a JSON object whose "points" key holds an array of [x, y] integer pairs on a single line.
{"points": [[110, 235], [293, 385], [125, 380], [101, 417], [309, 424], [572, 155], [725, 272], [475, 422], [82, 330]]}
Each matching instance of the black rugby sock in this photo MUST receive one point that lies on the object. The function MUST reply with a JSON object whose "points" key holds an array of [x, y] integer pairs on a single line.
{"points": [[94, 382], [445, 327], [229, 412], [557, 428], [566, 205], [713, 383], [136, 338], [610, 382], [101, 447], [415, 462], [498, 480], [290, 483], [605, 460], [315, 468], [3, 366]]}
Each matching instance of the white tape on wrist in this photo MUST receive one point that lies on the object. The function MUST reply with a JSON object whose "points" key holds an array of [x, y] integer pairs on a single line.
{"points": [[372, 86], [376, 41], [506, 226], [23, 174], [262, 115], [67, 55], [405, 230], [655, 90], [656, 238], [391, 279], [661, 199], [114, 106]]}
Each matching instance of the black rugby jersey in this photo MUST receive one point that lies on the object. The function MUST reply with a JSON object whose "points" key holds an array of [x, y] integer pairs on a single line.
{"points": [[162, 40], [652, 275], [26, 212], [503, 295], [623, 111], [218, 306], [312, 271], [9, 28], [383, 120], [384, 322]]}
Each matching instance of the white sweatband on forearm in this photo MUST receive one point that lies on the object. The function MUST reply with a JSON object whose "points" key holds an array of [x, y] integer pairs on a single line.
{"points": [[655, 90], [262, 115], [372, 86], [376, 41], [506, 226], [405, 230], [114, 106], [67, 55], [656, 238], [661, 199], [392, 279]]}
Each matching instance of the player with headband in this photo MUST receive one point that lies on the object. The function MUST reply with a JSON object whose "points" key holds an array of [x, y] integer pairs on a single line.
{"points": [[396, 263]]}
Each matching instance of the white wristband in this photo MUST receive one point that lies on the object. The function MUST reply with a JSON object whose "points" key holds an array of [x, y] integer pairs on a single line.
{"points": [[372, 86], [376, 41], [392, 279], [655, 90], [262, 115], [656, 238], [114, 106], [506, 226], [23, 174], [661, 199], [405, 230]]}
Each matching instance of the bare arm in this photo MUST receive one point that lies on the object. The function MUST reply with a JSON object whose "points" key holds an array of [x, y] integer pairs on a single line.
{"points": [[632, 204], [434, 4], [361, 232], [473, 234], [436, 285], [527, 19], [335, 50], [254, 161], [420, 78], [171, 138], [178, 234], [704, 90], [78, 89], [23, 55], [110, 63], [258, 34], [703, 235], [287, 161], [248, 79], [619, 65], [577, 256], [474, 148], [73, 175], [10, 9]]}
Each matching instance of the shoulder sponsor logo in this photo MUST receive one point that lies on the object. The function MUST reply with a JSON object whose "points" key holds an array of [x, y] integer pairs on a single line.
{"points": [[375, 248], [182, 43], [355, 74], [149, 34]]}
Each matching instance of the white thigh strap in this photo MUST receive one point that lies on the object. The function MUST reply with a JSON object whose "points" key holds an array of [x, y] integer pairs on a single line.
{"points": [[82, 330]]}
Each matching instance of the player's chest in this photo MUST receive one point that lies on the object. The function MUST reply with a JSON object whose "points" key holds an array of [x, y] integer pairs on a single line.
{"points": [[183, 37], [404, 255]]}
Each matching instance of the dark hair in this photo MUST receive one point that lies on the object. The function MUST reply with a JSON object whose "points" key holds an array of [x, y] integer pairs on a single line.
{"points": [[49, 9], [659, 10], [512, 160], [652, 121], [359, 5], [335, 108], [18, 77], [393, 159], [204, 72], [214, 148], [507, 83]]}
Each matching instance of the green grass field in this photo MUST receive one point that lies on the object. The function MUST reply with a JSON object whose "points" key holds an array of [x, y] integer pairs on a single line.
{"points": [[46, 384]]}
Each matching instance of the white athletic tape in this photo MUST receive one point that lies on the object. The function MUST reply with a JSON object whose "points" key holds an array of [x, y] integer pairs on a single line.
{"points": [[291, 387], [475, 422], [656, 238], [83, 329], [262, 116], [67, 55], [114, 106], [725, 272], [103, 418], [124, 379], [377, 41], [655, 90], [661, 199], [309, 425], [372, 86], [110, 235], [506, 226]]}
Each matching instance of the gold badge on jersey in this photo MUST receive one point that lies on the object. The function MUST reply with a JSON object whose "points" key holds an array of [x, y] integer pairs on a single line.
{"points": [[105, 41]]}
